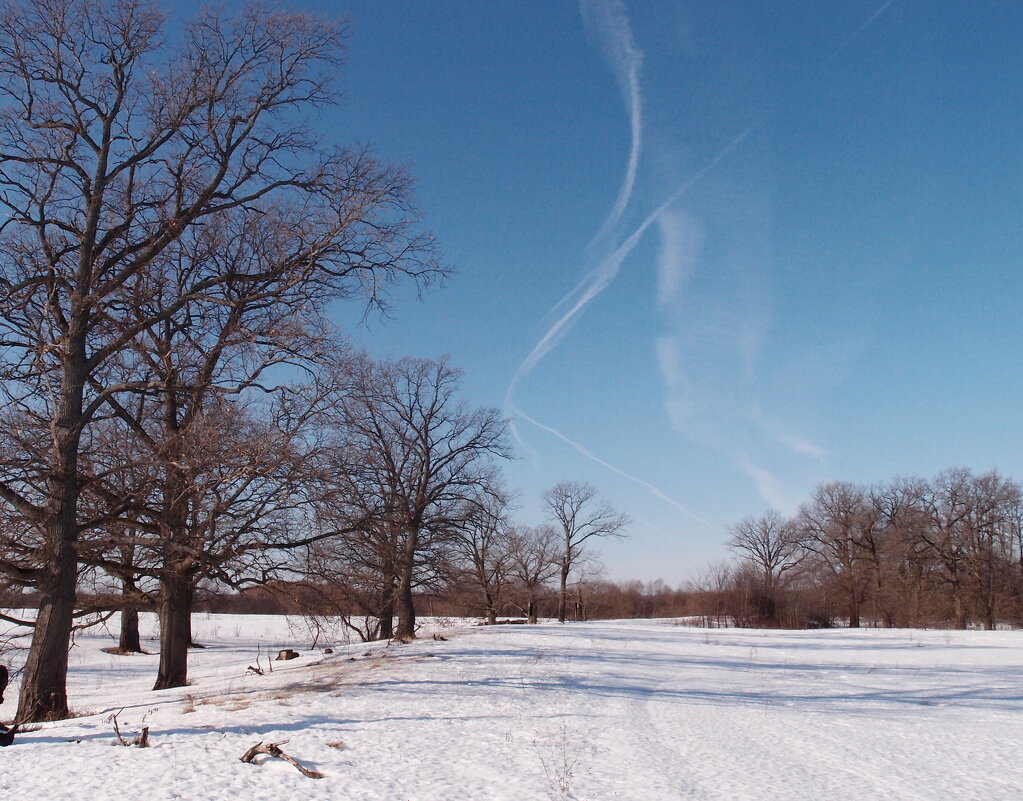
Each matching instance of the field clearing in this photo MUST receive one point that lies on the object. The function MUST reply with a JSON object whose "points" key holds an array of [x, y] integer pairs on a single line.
{"points": [[607, 710]]}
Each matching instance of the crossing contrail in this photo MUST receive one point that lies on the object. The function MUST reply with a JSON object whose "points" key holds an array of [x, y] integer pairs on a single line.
{"points": [[614, 28], [597, 280], [607, 23]]}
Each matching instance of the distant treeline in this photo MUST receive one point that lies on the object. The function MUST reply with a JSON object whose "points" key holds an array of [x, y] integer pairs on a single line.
{"points": [[910, 552]]}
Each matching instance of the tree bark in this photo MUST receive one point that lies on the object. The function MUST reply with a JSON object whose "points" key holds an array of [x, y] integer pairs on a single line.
{"points": [[490, 606], [43, 694], [387, 612], [403, 600], [129, 641], [563, 593], [405, 607], [175, 629]]}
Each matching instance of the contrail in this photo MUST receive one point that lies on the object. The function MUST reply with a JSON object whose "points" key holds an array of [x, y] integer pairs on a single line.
{"points": [[597, 279], [604, 273], [616, 39], [593, 457], [607, 24], [852, 37]]}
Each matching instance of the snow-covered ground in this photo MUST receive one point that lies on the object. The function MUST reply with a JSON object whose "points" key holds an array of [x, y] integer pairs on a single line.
{"points": [[612, 710]]}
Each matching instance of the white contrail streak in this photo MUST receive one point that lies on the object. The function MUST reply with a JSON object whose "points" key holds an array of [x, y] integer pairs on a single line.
{"points": [[597, 279], [852, 37], [607, 23], [593, 457], [594, 282]]}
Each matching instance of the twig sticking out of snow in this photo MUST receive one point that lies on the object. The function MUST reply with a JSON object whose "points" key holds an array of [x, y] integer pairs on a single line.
{"points": [[258, 667], [141, 739], [273, 749]]}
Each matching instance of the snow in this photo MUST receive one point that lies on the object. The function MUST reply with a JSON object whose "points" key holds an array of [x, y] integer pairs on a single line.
{"points": [[610, 710]]}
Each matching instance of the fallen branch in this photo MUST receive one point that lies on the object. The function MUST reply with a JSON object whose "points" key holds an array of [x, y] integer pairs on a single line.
{"points": [[258, 668], [141, 739], [273, 750]]}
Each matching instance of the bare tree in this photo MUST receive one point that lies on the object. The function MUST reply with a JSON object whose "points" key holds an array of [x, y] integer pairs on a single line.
{"points": [[347, 588], [238, 489], [482, 550], [970, 535], [250, 328], [535, 558], [996, 509], [580, 516], [833, 526], [116, 147], [418, 463], [950, 507], [770, 542], [906, 552], [911, 582]]}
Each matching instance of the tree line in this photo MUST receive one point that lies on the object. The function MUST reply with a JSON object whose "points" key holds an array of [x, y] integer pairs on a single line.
{"points": [[908, 552], [486, 564]]}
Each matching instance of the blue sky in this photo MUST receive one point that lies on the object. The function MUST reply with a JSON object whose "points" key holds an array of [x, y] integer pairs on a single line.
{"points": [[790, 231]]}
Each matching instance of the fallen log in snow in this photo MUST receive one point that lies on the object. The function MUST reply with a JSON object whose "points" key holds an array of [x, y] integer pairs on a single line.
{"points": [[273, 749]]}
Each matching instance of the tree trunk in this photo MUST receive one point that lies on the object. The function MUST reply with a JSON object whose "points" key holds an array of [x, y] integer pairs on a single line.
{"points": [[489, 606], [406, 612], [129, 641], [175, 629], [405, 607], [958, 610], [403, 601], [854, 613], [563, 593], [386, 625], [531, 615], [43, 694], [387, 612], [985, 602]]}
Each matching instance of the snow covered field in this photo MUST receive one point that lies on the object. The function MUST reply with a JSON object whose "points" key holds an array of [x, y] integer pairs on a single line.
{"points": [[613, 710]]}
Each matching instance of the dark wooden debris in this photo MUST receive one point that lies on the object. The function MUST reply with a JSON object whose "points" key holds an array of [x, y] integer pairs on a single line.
{"points": [[274, 750]]}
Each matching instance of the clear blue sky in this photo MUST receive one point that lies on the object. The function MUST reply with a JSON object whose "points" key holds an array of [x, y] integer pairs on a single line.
{"points": [[790, 231]]}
